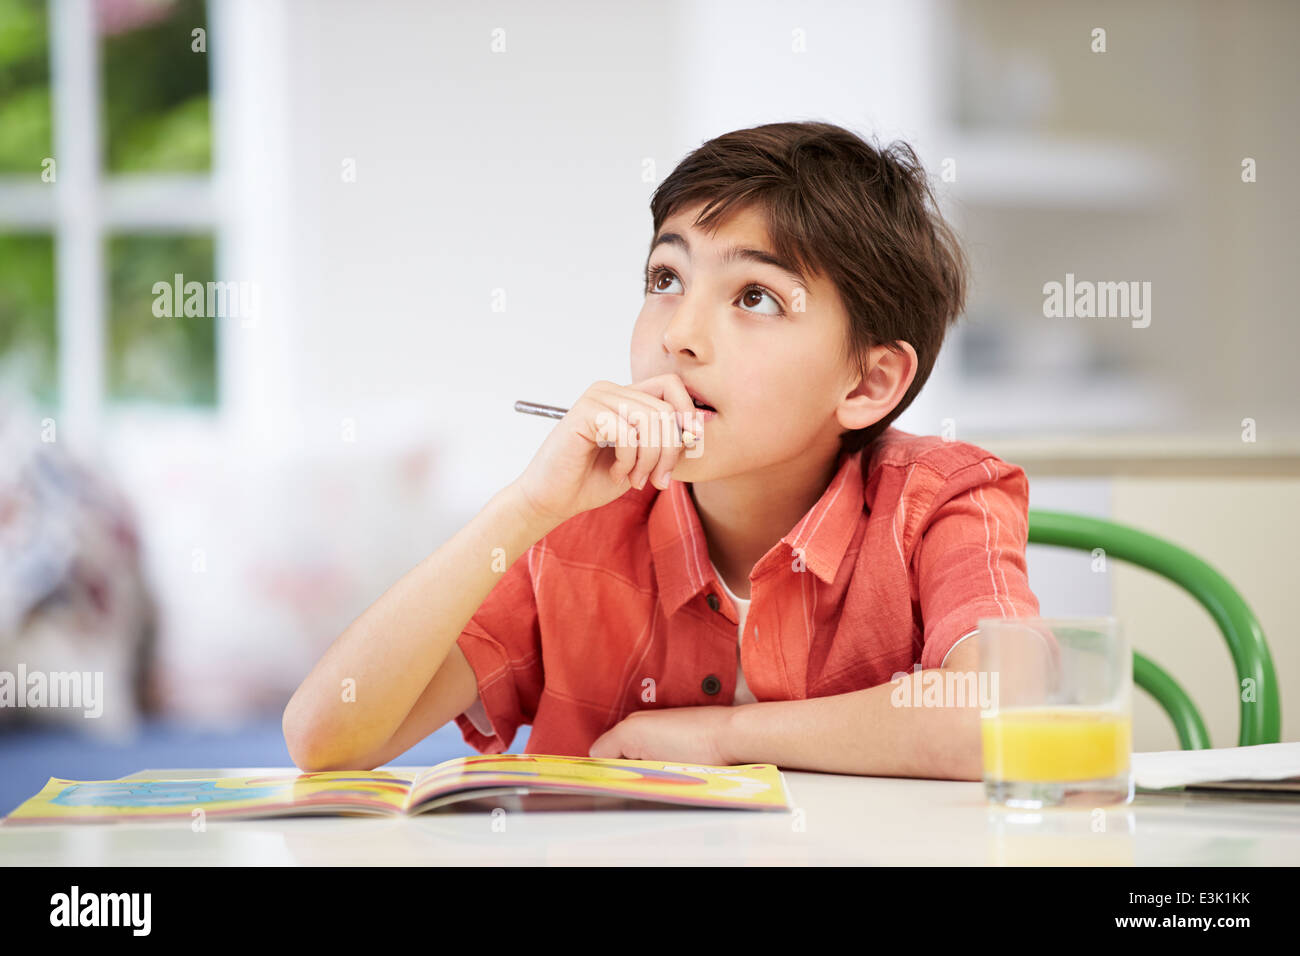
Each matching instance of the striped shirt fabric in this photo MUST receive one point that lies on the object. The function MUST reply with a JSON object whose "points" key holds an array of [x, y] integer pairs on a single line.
{"points": [[620, 609]]}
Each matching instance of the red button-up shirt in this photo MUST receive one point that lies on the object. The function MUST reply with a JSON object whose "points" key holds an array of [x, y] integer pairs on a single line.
{"points": [[619, 608]]}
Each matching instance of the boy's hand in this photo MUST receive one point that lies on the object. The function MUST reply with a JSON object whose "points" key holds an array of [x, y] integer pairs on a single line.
{"points": [[615, 437], [685, 734]]}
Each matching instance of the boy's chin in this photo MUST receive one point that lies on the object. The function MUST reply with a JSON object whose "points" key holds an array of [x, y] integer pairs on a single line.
{"points": [[695, 470], [687, 469]]}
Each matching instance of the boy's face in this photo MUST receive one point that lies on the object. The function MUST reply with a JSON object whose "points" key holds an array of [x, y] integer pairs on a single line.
{"points": [[731, 332]]}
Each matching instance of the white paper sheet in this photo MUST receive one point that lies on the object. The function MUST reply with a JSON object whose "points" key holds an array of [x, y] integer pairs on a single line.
{"points": [[1177, 768]]}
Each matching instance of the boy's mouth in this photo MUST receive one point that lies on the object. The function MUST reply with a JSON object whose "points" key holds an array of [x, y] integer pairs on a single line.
{"points": [[704, 412], [699, 402]]}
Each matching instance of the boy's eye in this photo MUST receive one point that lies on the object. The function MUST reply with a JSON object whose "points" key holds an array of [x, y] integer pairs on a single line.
{"points": [[655, 276], [751, 296], [754, 290]]}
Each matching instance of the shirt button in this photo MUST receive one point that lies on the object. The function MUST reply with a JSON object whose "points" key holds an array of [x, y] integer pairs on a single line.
{"points": [[711, 685], [713, 601]]}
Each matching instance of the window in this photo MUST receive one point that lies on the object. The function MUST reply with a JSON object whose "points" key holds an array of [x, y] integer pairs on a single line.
{"points": [[105, 190]]}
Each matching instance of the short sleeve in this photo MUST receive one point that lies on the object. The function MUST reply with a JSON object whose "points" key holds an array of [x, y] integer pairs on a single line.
{"points": [[502, 643], [970, 562]]}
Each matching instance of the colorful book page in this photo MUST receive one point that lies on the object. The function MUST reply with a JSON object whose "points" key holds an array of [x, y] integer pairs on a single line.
{"points": [[748, 785], [79, 801]]}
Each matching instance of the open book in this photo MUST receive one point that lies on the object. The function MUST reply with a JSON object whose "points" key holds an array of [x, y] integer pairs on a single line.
{"points": [[509, 781]]}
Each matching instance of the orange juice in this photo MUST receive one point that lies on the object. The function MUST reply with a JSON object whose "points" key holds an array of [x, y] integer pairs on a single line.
{"points": [[1056, 744]]}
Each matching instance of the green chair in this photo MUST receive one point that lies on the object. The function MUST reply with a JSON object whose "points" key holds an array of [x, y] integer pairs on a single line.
{"points": [[1261, 719]]}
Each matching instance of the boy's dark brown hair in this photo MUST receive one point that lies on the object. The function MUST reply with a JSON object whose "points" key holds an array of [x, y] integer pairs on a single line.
{"points": [[838, 206]]}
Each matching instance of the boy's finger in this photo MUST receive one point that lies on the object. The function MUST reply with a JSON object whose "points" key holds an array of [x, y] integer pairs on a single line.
{"points": [[624, 452], [648, 452], [671, 389], [667, 462]]}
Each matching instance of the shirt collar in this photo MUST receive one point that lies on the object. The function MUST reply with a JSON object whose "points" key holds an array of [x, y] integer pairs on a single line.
{"points": [[680, 551]]}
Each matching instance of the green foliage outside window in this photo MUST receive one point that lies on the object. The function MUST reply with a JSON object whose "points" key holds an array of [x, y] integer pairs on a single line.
{"points": [[28, 333], [159, 358], [155, 118], [25, 131], [156, 114]]}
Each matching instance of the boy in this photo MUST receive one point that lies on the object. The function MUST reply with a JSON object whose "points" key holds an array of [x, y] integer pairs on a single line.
{"points": [[763, 590]]}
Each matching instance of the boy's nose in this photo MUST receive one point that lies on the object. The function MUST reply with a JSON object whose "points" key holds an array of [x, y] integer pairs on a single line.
{"points": [[684, 334]]}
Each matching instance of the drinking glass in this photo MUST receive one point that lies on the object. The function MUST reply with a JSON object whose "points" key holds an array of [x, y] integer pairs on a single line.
{"points": [[1059, 728]]}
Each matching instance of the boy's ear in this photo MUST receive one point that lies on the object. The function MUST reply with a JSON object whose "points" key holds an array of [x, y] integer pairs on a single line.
{"points": [[889, 375]]}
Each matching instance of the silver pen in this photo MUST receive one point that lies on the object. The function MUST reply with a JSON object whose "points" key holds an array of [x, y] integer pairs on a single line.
{"points": [[554, 411]]}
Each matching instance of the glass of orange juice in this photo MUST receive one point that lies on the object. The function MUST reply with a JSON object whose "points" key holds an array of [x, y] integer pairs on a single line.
{"points": [[1059, 728]]}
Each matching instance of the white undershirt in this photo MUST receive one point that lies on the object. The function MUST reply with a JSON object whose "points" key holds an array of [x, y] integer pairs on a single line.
{"points": [[743, 695]]}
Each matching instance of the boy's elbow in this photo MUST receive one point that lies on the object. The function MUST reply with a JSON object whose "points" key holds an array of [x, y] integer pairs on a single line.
{"points": [[309, 757], [301, 741], [295, 740], [313, 751]]}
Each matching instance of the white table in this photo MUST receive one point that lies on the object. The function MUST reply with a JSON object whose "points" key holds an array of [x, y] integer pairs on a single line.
{"points": [[838, 819]]}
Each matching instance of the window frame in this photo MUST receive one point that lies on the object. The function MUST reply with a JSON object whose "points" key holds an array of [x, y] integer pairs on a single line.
{"points": [[85, 205]]}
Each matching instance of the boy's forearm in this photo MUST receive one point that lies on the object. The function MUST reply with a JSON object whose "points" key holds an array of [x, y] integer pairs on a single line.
{"points": [[393, 649], [861, 732]]}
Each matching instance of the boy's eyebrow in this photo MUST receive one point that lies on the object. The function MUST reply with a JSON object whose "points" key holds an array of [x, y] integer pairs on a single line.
{"points": [[734, 253]]}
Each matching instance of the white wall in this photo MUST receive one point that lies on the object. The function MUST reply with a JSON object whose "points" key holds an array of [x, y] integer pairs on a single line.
{"points": [[475, 172], [522, 171]]}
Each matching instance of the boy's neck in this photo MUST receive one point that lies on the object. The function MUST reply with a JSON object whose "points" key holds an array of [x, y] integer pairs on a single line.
{"points": [[745, 515]]}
